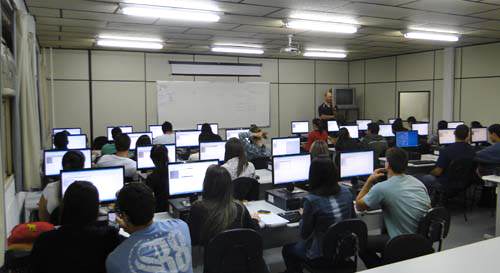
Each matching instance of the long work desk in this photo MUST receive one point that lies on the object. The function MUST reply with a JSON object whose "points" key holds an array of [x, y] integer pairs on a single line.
{"points": [[495, 179]]}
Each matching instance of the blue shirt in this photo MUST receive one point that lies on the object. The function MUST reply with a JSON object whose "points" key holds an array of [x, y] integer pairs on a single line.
{"points": [[165, 247], [252, 150], [490, 155], [404, 201], [452, 152]]}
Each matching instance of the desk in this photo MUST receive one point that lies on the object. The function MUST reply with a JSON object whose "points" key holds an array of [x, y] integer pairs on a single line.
{"points": [[424, 157], [496, 180], [477, 257]]}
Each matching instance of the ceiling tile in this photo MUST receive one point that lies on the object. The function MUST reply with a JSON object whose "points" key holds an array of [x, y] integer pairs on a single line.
{"points": [[69, 22], [490, 25], [40, 27], [381, 22], [251, 10], [445, 19], [377, 10], [109, 17], [258, 29], [73, 5], [457, 7], [187, 24], [251, 20], [44, 12], [145, 28], [219, 33], [494, 14], [317, 5], [387, 2]]}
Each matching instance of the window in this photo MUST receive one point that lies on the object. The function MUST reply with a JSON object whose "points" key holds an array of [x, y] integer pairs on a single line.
{"points": [[6, 137]]}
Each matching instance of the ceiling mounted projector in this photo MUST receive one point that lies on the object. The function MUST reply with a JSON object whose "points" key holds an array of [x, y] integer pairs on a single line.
{"points": [[292, 48]]}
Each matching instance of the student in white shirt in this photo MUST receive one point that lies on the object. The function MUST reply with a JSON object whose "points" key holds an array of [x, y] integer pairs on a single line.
{"points": [[168, 136], [121, 158], [51, 195], [236, 160]]}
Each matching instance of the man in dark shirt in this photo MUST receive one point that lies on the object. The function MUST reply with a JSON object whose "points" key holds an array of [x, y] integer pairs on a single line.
{"points": [[326, 110]]}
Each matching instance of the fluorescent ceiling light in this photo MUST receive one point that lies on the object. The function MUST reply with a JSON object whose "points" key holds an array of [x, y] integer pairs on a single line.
{"points": [[129, 38], [435, 36], [435, 30], [186, 4], [324, 54], [129, 44], [171, 13], [241, 50], [326, 50], [237, 45], [323, 17], [321, 26]]}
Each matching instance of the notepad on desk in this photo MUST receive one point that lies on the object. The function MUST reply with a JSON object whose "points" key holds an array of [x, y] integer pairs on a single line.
{"points": [[272, 220]]}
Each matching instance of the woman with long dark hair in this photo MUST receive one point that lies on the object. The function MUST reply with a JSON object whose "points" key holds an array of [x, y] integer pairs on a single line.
{"points": [[318, 133], [236, 162], [158, 180], [207, 135], [345, 142]]}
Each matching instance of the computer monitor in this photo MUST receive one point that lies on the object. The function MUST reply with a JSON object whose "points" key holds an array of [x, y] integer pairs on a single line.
{"points": [[454, 124], [291, 168], [235, 133], [108, 181], [52, 160], [392, 120], [76, 142], [353, 130], [125, 129], [187, 178], [144, 161], [71, 131], [479, 135], [187, 139], [213, 150], [446, 136], [363, 124], [386, 130], [214, 126], [300, 127], [353, 164], [422, 128], [332, 126], [135, 136], [285, 146], [156, 130], [407, 139]]}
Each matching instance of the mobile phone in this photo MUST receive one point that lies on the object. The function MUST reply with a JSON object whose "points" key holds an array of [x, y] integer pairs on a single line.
{"points": [[112, 217]]}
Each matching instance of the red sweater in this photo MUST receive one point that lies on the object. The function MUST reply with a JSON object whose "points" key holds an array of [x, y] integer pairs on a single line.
{"points": [[313, 136]]}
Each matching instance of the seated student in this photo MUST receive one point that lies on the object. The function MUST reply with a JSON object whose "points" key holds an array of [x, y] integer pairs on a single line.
{"points": [[218, 211], [476, 124], [207, 135], [397, 126], [490, 157], [403, 199], [110, 148], [236, 160], [253, 142], [375, 141], [122, 144], [61, 140], [319, 148], [318, 133], [458, 150], [411, 120], [51, 195], [153, 246], [158, 180], [168, 136], [326, 204], [434, 138], [142, 141], [345, 142], [79, 245]]}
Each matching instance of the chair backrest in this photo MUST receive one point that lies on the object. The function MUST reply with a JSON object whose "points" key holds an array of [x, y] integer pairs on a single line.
{"points": [[344, 240], [246, 188], [379, 147], [406, 246], [435, 225], [235, 251], [461, 173], [260, 163]]}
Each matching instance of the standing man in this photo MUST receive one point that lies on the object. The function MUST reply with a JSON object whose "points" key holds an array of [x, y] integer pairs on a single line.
{"points": [[326, 110]]}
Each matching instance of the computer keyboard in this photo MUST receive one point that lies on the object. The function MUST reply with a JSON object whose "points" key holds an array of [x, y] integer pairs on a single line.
{"points": [[291, 216], [422, 162]]}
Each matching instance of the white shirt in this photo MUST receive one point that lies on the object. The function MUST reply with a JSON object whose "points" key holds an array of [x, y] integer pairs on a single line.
{"points": [[51, 194], [117, 161], [164, 139], [232, 167]]}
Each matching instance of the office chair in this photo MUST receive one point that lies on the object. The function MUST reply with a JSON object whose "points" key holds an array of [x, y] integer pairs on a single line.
{"points": [[406, 246], [435, 225], [246, 188], [17, 261], [235, 251], [342, 241], [260, 163]]}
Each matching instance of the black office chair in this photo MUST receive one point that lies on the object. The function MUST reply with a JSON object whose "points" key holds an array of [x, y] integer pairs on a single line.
{"points": [[246, 188], [235, 251], [435, 225], [342, 242], [260, 163], [17, 261], [406, 246]]}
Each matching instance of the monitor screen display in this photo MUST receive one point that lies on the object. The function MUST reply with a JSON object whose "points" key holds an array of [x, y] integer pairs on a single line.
{"points": [[407, 139], [125, 130], [144, 161], [76, 142], [300, 127], [71, 131], [354, 164], [363, 124], [285, 146], [52, 160], [213, 150], [291, 168], [214, 126], [422, 128], [108, 181], [332, 126], [187, 178], [185, 139], [235, 133], [386, 130], [135, 136], [454, 124], [479, 135], [446, 136], [353, 130], [156, 130]]}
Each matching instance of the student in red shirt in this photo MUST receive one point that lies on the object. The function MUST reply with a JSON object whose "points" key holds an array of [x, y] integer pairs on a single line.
{"points": [[318, 133]]}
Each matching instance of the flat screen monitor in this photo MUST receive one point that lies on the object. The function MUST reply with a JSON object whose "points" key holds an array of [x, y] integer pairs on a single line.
{"points": [[156, 130], [392, 120], [235, 133], [300, 127], [76, 142], [214, 126], [71, 131], [291, 168], [186, 139], [407, 139], [213, 150], [446, 136], [386, 130], [363, 124], [108, 181], [353, 130], [454, 124], [125, 130], [144, 161], [52, 160], [187, 178], [479, 135], [135, 136], [422, 128], [285, 146], [354, 164], [332, 126]]}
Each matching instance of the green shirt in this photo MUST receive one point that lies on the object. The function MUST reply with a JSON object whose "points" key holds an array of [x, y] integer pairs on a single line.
{"points": [[108, 149], [404, 201]]}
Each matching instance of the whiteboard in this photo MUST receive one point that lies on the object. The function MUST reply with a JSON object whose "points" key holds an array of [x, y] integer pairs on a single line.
{"points": [[230, 104]]}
